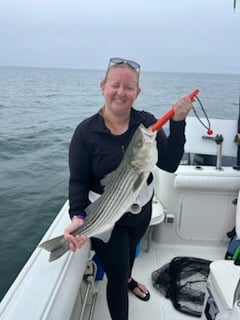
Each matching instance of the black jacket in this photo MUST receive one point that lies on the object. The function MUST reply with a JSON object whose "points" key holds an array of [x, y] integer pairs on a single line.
{"points": [[94, 152]]}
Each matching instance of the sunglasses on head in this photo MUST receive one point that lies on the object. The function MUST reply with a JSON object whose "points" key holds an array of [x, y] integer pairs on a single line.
{"points": [[130, 63]]}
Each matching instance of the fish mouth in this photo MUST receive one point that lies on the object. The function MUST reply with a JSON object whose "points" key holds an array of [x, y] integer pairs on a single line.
{"points": [[147, 133]]}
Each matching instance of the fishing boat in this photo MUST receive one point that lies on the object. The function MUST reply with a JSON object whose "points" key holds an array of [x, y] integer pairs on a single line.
{"points": [[193, 210]]}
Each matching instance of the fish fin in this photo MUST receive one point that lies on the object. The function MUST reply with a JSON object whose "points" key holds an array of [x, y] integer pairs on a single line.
{"points": [[56, 246], [52, 244], [55, 254], [138, 182], [108, 178], [111, 176]]}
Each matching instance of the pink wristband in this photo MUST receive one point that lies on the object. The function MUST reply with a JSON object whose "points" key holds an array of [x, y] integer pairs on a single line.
{"points": [[78, 216]]}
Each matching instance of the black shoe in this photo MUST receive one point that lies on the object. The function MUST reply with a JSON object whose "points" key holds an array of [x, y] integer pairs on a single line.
{"points": [[132, 285]]}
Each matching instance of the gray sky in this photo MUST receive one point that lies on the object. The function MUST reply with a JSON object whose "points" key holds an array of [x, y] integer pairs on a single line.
{"points": [[170, 35]]}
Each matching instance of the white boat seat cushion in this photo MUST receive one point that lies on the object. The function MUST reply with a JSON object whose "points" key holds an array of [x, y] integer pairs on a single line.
{"points": [[157, 212]]}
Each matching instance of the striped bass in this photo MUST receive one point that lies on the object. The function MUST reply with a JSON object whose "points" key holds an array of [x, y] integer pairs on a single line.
{"points": [[121, 189]]}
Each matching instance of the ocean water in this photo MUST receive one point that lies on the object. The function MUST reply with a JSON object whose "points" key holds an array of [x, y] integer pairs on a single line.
{"points": [[39, 110]]}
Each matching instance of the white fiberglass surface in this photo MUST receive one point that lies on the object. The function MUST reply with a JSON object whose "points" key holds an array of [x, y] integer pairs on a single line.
{"points": [[158, 307]]}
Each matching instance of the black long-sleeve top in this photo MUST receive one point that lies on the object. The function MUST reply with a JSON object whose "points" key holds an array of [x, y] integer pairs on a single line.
{"points": [[94, 151]]}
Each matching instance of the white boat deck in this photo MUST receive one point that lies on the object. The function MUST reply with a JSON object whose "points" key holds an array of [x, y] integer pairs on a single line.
{"points": [[158, 307]]}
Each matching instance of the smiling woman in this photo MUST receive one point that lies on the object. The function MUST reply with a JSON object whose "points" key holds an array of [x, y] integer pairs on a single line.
{"points": [[98, 150]]}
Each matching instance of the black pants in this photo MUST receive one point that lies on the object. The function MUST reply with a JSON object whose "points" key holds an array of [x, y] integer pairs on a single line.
{"points": [[117, 257]]}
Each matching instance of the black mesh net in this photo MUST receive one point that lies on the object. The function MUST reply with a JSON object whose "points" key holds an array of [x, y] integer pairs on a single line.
{"points": [[183, 280]]}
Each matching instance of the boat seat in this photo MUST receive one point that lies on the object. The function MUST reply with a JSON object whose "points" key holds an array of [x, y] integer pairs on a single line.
{"points": [[157, 218], [223, 279]]}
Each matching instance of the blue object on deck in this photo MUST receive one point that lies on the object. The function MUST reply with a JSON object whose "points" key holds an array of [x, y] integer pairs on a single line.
{"points": [[138, 248], [233, 246], [100, 270]]}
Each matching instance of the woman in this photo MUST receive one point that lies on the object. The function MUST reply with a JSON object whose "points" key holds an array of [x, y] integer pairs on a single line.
{"points": [[97, 148]]}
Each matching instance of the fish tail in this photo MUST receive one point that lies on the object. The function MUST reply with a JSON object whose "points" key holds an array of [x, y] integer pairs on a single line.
{"points": [[56, 246]]}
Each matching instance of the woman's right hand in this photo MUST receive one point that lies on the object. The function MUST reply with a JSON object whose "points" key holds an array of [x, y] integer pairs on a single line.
{"points": [[76, 241]]}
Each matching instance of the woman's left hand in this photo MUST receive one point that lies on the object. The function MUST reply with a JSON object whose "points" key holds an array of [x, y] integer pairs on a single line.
{"points": [[76, 241], [181, 108]]}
